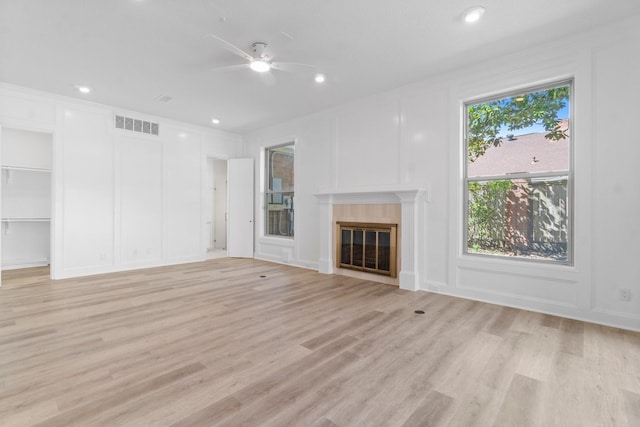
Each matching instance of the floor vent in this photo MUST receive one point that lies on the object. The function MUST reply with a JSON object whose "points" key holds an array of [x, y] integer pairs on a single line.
{"points": [[137, 125]]}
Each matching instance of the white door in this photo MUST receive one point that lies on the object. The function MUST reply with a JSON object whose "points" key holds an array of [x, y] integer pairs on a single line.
{"points": [[240, 207]]}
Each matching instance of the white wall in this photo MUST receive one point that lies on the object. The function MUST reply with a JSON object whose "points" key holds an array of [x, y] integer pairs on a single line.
{"points": [[412, 136], [121, 199], [616, 198], [314, 149]]}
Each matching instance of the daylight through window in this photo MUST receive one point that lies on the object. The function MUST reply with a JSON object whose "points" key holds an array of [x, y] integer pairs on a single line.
{"points": [[280, 190], [518, 175]]}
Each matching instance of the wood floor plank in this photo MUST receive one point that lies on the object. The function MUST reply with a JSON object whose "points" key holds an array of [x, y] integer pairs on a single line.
{"points": [[214, 343], [521, 403], [347, 327], [572, 336], [261, 411], [83, 414], [504, 362], [223, 408], [478, 407], [433, 411], [632, 401], [324, 422]]}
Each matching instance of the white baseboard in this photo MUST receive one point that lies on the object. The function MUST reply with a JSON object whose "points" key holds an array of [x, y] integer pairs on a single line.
{"points": [[309, 265], [25, 263], [70, 273], [598, 316]]}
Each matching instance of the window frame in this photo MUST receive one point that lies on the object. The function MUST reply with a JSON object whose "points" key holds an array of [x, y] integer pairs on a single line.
{"points": [[569, 173], [268, 191]]}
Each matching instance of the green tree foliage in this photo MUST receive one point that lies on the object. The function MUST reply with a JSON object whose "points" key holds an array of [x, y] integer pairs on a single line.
{"points": [[488, 230], [518, 112], [487, 213]]}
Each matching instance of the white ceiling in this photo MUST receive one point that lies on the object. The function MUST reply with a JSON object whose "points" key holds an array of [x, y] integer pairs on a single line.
{"points": [[130, 52]]}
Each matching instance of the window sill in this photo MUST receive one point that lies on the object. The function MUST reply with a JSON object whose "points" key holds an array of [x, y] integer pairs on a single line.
{"points": [[275, 240], [529, 268]]}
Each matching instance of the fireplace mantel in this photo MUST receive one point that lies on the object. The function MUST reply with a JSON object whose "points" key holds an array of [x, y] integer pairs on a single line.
{"points": [[367, 195], [411, 200]]}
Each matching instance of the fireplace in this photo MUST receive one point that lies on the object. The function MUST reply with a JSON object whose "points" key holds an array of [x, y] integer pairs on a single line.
{"points": [[369, 247], [405, 208]]}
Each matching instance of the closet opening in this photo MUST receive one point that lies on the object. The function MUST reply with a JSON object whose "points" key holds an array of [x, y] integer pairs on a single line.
{"points": [[26, 202], [216, 201]]}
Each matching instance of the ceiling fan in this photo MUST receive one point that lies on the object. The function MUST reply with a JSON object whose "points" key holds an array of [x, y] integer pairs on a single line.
{"points": [[258, 61]]}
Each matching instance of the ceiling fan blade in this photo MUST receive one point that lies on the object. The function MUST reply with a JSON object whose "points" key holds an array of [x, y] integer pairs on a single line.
{"points": [[229, 68], [292, 67], [231, 48]]}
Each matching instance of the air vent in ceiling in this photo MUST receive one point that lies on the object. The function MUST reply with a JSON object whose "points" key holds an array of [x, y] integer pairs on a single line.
{"points": [[137, 125]]}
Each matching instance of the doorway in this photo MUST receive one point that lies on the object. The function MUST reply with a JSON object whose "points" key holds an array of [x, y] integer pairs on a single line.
{"points": [[25, 207], [216, 208]]}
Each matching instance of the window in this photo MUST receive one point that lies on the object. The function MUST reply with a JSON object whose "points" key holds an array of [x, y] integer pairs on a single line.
{"points": [[518, 175], [280, 190]]}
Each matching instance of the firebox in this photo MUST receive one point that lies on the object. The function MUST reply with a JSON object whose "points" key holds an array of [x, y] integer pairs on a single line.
{"points": [[369, 247]]}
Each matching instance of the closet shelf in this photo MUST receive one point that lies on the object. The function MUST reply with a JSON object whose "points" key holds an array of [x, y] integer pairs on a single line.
{"points": [[26, 219], [20, 168]]}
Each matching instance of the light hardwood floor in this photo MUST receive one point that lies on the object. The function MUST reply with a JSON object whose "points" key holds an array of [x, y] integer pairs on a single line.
{"points": [[234, 342]]}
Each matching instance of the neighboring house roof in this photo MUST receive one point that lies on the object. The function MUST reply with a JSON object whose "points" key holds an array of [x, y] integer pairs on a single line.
{"points": [[525, 153]]}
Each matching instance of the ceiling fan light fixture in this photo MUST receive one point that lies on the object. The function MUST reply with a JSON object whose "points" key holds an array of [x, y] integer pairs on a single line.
{"points": [[260, 65], [473, 14]]}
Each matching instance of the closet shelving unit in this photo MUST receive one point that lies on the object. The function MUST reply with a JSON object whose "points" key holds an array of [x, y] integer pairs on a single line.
{"points": [[8, 172], [26, 200]]}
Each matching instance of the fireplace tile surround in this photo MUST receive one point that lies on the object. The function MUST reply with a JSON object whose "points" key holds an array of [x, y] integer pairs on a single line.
{"points": [[409, 205]]}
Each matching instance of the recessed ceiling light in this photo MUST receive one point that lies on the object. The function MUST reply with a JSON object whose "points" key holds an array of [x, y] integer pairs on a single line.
{"points": [[83, 89], [215, 121], [473, 14], [320, 78]]}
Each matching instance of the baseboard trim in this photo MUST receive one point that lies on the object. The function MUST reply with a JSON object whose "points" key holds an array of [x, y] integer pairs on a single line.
{"points": [[308, 265], [93, 271], [25, 263], [596, 316]]}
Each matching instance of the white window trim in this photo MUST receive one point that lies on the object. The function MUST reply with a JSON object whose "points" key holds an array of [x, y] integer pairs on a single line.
{"points": [[264, 187], [463, 210]]}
